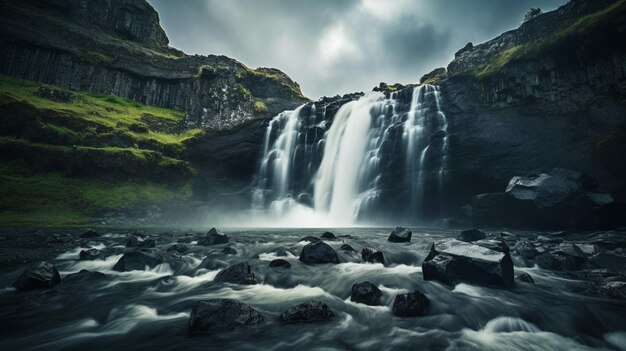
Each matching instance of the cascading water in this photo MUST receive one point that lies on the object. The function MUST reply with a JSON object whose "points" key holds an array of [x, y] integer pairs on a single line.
{"points": [[377, 152]]}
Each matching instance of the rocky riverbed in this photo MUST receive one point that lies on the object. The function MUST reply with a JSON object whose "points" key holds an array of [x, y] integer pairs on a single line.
{"points": [[274, 289]]}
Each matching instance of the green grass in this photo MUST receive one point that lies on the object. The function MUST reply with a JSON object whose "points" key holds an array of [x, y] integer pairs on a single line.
{"points": [[260, 107], [569, 32]]}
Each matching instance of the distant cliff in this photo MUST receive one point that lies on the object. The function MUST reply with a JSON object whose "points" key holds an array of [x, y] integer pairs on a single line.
{"points": [[119, 48]]}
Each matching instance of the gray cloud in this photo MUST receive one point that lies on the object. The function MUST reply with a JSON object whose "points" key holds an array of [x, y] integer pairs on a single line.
{"points": [[334, 47]]}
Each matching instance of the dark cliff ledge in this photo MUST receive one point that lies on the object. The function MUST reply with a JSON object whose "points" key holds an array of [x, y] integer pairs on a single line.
{"points": [[119, 48], [549, 94]]}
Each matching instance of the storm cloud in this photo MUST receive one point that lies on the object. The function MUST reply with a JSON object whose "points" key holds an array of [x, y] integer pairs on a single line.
{"points": [[335, 47]]}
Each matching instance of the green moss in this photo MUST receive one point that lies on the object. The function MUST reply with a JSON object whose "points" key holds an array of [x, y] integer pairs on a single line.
{"points": [[243, 91], [570, 32], [260, 107]]}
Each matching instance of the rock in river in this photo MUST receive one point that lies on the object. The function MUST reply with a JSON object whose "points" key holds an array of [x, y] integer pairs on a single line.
{"points": [[468, 262], [370, 255], [329, 236], [138, 260], [312, 311], [241, 273], [220, 315], [138, 241], [411, 304], [280, 263], [89, 234], [318, 252], [366, 293], [181, 248], [39, 275], [471, 235], [90, 255], [400, 235], [213, 237]]}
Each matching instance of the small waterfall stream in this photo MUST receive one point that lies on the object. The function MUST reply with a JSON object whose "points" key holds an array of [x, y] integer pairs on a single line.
{"points": [[343, 168]]}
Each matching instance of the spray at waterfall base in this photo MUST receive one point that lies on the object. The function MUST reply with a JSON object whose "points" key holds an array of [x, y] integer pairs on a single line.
{"points": [[376, 159]]}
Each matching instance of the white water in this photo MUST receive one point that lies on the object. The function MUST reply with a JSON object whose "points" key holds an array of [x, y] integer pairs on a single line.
{"points": [[344, 187]]}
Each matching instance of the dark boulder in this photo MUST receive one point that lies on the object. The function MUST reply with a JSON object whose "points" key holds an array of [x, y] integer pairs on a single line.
{"points": [[240, 273], [468, 262], [221, 315], [279, 263], [329, 236], [310, 239], [89, 234], [213, 237], [282, 252], [471, 235], [526, 278], [318, 252], [614, 289], [38, 275], [138, 241], [90, 255], [313, 311], [229, 250], [613, 263], [411, 304], [525, 249], [138, 260], [83, 276], [366, 293], [493, 244], [370, 255], [346, 247], [558, 261], [400, 235], [182, 248]]}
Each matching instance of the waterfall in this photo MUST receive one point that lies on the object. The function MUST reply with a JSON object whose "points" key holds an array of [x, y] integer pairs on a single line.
{"points": [[382, 152]]}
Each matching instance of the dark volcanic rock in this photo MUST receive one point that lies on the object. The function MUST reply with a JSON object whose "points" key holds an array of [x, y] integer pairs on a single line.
{"points": [[493, 244], [410, 304], [138, 241], [83, 276], [89, 234], [138, 260], [182, 248], [329, 235], [229, 250], [318, 252], [471, 235], [280, 263], [373, 256], [240, 273], [221, 315], [310, 239], [90, 255], [525, 249], [614, 289], [526, 278], [400, 235], [313, 311], [213, 237], [367, 293], [468, 262], [39, 275], [346, 247]]}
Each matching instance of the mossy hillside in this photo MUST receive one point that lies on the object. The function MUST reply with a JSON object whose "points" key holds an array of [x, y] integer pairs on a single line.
{"points": [[561, 42]]}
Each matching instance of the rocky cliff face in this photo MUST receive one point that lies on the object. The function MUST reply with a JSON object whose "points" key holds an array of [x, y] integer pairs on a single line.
{"points": [[119, 48], [549, 94]]}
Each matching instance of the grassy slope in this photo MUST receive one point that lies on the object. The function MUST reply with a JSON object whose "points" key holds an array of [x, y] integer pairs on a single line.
{"points": [[53, 195]]}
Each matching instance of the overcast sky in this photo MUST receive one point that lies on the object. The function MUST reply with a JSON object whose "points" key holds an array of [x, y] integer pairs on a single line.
{"points": [[335, 47]]}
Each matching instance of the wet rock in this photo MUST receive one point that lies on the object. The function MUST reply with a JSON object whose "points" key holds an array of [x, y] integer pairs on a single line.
{"points": [[591, 249], [138, 241], [310, 239], [221, 315], [471, 235], [366, 293], [370, 255], [400, 235], [558, 261], [468, 262], [525, 249], [329, 236], [138, 260], [280, 263], [282, 252], [493, 244], [213, 237], [611, 262], [90, 255], [38, 275], [614, 290], [547, 240], [229, 250], [89, 234], [346, 247], [411, 304], [526, 278], [318, 252], [312, 311], [240, 273], [182, 248], [139, 234], [83, 276]]}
